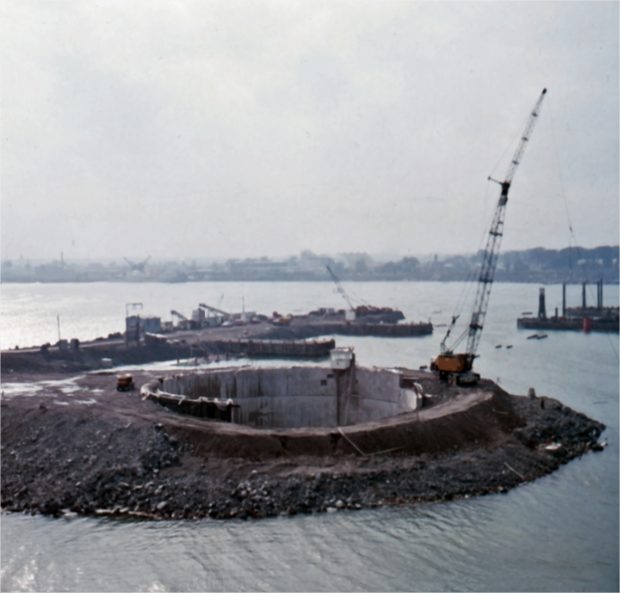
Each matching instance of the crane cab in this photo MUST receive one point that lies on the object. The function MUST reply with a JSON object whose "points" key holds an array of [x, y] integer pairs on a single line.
{"points": [[455, 366], [452, 363]]}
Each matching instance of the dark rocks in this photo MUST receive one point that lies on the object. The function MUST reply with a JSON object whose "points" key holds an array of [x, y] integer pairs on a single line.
{"points": [[84, 460]]}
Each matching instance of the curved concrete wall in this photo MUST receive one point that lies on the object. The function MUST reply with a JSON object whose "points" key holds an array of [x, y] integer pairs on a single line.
{"points": [[298, 396]]}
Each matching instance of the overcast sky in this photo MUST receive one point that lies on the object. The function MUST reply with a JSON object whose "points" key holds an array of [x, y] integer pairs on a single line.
{"points": [[238, 128]]}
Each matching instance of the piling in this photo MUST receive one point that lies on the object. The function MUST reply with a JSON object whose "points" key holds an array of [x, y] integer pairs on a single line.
{"points": [[563, 299], [542, 309], [583, 295]]}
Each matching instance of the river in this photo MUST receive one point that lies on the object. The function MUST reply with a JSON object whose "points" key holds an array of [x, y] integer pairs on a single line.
{"points": [[559, 533]]}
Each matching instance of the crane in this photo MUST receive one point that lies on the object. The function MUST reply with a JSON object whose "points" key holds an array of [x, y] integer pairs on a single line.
{"points": [[350, 315], [137, 266], [447, 363]]}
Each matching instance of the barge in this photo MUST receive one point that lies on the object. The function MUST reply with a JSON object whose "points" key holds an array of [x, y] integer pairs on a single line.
{"points": [[585, 318]]}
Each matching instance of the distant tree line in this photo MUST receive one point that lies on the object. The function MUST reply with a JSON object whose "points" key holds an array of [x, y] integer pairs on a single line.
{"points": [[572, 264]]}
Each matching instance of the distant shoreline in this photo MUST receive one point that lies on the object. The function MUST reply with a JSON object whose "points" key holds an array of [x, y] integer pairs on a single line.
{"points": [[538, 265], [613, 282]]}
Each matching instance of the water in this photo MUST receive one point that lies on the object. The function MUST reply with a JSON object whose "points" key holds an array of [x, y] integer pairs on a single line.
{"points": [[559, 533]]}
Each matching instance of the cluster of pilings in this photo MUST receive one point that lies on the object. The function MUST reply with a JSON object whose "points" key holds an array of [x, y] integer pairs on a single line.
{"points": [[573, 311], [584, 305], [596, 318]]}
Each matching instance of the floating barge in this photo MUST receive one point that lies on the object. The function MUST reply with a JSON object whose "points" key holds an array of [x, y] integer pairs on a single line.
{"points": [[213, 332], [113, 352], [362, 314], [270, 348], [584, 318], [310, 328], [367, 321]]}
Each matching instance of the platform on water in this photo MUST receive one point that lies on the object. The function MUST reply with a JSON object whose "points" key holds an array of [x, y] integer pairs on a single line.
{"points": [[585, 318]]}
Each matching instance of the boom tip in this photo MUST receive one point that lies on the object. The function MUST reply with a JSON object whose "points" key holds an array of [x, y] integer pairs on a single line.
{"points": [[544, 91]]}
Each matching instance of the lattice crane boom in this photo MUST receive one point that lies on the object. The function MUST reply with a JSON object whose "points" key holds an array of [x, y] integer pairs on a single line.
{"points": [[490, 256], [491, 251]]}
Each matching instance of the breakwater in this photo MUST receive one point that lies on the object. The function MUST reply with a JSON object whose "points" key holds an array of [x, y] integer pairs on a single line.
{"points": [[108, 353]]}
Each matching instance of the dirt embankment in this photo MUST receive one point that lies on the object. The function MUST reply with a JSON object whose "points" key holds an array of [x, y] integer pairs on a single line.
{"points": [[82, 447]]}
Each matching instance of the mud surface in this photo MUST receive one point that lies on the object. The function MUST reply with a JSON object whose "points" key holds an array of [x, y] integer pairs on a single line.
{"points": [[74, 444]]}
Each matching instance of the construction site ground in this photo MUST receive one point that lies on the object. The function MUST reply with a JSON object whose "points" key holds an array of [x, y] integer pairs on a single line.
{"points": [[73, 444]]}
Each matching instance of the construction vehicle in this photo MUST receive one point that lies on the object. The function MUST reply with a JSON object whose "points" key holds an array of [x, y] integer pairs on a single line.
{"points": [[458, 366], [350, 313], [125, 382]]}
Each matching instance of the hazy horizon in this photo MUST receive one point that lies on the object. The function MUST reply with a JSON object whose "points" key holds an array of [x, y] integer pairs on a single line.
{"points": [[375, 257], [233, 130]]}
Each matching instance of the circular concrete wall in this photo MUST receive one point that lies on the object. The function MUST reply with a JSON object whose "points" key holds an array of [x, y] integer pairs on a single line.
{"points": [[289, 397]]}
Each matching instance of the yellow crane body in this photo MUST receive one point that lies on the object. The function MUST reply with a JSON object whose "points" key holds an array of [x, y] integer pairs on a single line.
{"points": [[453, 363]]}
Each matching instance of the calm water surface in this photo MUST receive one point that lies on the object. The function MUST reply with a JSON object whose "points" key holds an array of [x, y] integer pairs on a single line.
{"points": [[559, 533]]}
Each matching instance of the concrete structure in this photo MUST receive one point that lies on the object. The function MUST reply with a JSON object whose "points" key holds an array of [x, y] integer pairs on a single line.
{"points": [[290, 397], [341, 358]]}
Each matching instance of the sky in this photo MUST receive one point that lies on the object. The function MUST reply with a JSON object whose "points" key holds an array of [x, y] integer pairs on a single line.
{"points": [[238, 128]]}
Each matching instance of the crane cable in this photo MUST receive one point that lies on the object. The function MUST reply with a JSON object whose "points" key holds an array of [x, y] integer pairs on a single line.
{"points": [[572, 240], [572, 235]]}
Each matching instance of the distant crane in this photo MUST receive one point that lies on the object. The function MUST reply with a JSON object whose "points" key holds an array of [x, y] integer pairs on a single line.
{"points": [[137, 266], [447, 363], [350, 314]]}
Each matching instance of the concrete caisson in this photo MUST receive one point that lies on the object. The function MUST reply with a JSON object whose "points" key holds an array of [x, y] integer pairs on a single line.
{"points": [[293, 397]]}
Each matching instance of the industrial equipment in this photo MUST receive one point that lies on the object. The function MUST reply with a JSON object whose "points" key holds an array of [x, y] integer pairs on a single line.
{"points": [[179, 315], [219, 312], [183, 322], [124, 382], [459, 365]]}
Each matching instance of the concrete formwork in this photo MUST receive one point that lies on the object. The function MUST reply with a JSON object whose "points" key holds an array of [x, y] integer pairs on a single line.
{"points": [[292, 397]]}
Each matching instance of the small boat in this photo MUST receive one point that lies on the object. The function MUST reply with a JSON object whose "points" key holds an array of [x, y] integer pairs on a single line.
{"points": [[537, 337]]}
